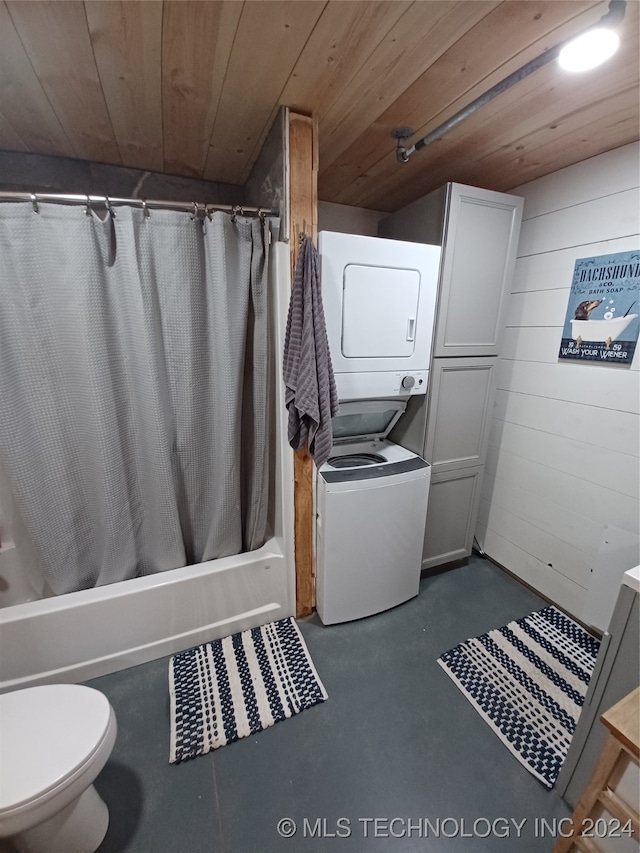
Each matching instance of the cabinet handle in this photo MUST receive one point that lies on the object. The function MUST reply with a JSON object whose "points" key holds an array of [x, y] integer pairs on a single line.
{"points": [[411, 329]]}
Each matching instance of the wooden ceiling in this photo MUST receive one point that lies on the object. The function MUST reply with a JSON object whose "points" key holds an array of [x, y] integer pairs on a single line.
{"points": [[191, 88]]}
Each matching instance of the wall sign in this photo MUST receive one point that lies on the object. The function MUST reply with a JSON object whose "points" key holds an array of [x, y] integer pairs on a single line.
{"points": [[601, 323]]}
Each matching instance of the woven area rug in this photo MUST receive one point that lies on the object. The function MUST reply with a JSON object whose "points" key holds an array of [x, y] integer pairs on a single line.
{"points": [[237, 686], [528, 681]]}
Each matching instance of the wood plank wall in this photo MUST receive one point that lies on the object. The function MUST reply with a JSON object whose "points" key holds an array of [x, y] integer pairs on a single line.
{"points": [[303, 217], [563, 469]]}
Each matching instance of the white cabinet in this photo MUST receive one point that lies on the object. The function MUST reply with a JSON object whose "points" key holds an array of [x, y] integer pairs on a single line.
{"points": [[461, 397], [481, 236], [453, 507], [478, 231]]}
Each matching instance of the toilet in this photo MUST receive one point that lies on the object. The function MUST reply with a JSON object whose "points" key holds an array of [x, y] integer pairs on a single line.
{"points": [[54, 740]]}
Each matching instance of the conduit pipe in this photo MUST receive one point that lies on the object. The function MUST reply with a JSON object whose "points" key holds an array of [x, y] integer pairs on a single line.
{"points": [[612, 18]]}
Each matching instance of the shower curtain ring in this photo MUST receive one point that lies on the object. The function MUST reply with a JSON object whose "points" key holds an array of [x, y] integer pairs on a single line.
{"points": [[87, 207], [34, 203], [145, 209], [234, 213], [107, 204], [194, 215]]}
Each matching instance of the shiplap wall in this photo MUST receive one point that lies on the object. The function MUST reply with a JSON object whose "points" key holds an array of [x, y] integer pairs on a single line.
{"points": [[562, 477]]}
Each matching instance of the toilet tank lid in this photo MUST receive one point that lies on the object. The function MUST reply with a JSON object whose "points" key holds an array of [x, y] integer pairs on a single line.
{"points": [[46, 734]]}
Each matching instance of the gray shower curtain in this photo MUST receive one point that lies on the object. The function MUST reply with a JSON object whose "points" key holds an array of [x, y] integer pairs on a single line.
{"points": [[133, 388]]}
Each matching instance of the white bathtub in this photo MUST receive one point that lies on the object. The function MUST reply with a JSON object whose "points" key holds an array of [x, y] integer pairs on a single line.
{"points": [[600, 330], [85, 634]]}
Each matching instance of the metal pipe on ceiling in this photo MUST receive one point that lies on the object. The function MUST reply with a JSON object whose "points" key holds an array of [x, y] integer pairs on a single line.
{"points": [[612, 18]]}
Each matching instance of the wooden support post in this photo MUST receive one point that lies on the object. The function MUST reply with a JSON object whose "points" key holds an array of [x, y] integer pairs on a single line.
{"points": [[303, 210]]}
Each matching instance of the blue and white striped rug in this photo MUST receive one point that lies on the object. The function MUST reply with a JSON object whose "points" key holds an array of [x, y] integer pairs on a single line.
{"points": [[528, 681], [237, 686]]}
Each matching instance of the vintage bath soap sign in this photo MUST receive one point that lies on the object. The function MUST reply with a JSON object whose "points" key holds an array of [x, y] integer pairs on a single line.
{"points": [[602, 314]]}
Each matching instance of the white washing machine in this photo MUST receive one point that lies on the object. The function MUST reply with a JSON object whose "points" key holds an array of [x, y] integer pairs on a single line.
{"points": [[371, 512]]}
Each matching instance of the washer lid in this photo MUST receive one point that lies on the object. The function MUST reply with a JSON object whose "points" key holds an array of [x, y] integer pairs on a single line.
{"points": [[47, 733], [365, 420]]}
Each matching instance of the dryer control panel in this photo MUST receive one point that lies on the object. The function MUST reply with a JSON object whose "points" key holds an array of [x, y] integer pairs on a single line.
{"points": [[366, 386]]}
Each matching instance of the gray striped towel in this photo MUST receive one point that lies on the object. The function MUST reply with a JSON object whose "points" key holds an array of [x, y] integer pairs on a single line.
{"points": [[310, 396]]}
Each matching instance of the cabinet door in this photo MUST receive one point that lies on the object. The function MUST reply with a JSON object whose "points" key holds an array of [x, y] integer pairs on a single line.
{"points": [[481, 238], [451, 516], [459, 412]]}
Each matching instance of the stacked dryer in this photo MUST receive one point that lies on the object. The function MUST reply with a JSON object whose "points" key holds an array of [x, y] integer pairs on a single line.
{"points": [[379, 300]]}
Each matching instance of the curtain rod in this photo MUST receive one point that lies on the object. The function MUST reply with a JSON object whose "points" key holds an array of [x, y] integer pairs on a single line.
{"points": [[197, 208]]}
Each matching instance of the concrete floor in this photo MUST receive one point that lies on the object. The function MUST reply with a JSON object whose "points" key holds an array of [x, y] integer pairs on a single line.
{"points": [[396, 741]]}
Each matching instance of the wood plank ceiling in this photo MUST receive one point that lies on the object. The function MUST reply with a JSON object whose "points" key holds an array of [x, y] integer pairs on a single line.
{"points": [[191, 88]]}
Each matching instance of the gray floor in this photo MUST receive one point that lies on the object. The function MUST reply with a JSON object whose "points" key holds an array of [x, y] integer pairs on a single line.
{"points": [[395, 740]]}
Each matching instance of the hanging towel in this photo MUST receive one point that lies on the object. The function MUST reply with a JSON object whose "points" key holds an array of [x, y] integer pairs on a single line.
{"points": [[310, 395]]}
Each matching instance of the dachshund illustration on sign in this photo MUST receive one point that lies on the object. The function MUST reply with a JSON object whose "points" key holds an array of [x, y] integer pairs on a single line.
{"points": [[583, 312]]}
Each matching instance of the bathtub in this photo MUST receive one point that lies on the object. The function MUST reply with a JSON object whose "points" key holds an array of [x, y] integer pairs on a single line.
{"points": [[600, 330], [82, 635]]}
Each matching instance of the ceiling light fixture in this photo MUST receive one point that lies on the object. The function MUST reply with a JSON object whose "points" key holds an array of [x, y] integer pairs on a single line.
{"points": [[613, 17], [589, 50]]}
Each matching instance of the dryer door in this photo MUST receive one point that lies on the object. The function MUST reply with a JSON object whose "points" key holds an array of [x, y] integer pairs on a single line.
{"points": [[379, 311]]}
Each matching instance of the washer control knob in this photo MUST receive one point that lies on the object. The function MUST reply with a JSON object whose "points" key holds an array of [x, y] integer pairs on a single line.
{"points": [[408, 382]]}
